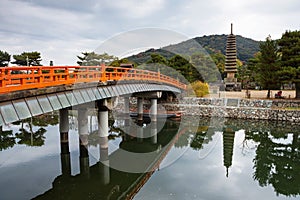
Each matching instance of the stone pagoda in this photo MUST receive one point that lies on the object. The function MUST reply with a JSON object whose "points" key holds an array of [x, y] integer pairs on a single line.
{"points": [[230, 81]]}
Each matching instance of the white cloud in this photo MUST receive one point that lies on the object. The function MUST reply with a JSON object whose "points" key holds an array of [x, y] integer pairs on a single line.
{"points": [[136, 9], [63, 29]]}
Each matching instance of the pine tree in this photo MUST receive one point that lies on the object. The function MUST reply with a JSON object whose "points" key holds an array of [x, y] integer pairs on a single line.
{"points": [[28, 59], [268, 67], [94, 59], [4, 58], [290, 49]]}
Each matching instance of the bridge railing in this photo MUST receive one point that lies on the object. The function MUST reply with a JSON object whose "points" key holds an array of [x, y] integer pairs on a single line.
{"points": [[23, 78]]}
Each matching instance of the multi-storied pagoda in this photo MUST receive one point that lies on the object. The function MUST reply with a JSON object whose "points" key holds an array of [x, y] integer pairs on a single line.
{"points": [[230, 64]]}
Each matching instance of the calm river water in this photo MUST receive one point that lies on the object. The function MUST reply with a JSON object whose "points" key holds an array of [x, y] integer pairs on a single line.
{"points": [[192, 158]]}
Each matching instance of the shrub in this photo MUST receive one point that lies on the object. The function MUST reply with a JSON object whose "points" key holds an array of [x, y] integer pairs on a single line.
{"points": [[198, 89]]}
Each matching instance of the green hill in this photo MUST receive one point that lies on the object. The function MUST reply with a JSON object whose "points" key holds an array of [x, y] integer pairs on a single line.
{"points": [[246, 48]]}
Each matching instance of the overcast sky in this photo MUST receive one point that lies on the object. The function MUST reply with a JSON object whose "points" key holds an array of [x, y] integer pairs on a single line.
{"points": [[62, 29]]}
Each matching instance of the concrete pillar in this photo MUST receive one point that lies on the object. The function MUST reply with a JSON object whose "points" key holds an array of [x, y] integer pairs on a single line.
{"points": [[154, 132], [140, 133], [127, 119], [64, 142], [83, 141], [103, 141], [126, 104], [104, 160], [64, 130], [153, 115], [127, 128], [83, 126], [102, 119], [153, 110], [65, 160], [140, 108]]}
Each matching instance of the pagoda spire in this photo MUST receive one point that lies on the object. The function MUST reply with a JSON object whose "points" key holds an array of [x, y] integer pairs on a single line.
{"points": [[231, 63]]}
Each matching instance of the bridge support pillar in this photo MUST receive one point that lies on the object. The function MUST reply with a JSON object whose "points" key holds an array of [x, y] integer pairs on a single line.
{"points": [[153, 110], [64, 130], [104, 160], [126, 104], [83, 141], [102, 118], [127, 128], [140, 134], [103, 141], [140, 108], [154, 132], [153, 115], [64, 141]]}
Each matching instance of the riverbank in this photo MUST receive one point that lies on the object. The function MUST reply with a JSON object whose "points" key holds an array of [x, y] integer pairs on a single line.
{"points": [[239, 108], [254, 94]]}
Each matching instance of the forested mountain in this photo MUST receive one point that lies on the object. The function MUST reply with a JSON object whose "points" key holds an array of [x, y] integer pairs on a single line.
{"points": [[246, 48]]}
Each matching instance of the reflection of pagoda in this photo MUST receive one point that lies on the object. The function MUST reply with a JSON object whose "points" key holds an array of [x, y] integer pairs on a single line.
{"points": [[230, 64], [228, 140]]}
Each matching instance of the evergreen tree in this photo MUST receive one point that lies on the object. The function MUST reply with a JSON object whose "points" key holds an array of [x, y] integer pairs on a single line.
{"points": [[4, 58], [185, 68], [157, 58], [94, 59], [268, 66], [117, 63], [204, 65], [289, 46], [28, 59]]}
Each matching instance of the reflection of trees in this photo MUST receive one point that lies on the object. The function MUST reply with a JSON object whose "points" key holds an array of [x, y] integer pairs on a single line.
{"points": [[277, 162], [26, 134], [31, 138], [7, 139], [183, 140], [201, 137], [41, 120]]}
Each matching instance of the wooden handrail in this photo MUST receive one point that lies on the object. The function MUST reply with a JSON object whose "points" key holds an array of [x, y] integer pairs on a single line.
{"points": [[23, 77]]}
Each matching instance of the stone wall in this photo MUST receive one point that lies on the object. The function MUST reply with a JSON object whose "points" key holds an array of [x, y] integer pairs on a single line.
{"points": [[283, 110]]}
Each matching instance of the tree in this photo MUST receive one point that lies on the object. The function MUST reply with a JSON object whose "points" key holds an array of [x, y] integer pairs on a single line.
{"points": [[157, 58], [219, 60], [94, 59], [117, 63], [268, 66], [289, 46], [185, 68], [204, 65], [246, 73], [4, 58], [28, 59]]}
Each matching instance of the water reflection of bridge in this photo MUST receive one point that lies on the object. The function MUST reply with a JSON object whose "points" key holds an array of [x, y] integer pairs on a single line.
{"points": [[118, 175]]}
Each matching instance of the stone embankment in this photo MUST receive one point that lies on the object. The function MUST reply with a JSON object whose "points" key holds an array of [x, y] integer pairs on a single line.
{"points": [[281, 109]]}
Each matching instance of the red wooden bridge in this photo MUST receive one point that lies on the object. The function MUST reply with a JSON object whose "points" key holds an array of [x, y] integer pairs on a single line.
{"points": [[34, 77]]}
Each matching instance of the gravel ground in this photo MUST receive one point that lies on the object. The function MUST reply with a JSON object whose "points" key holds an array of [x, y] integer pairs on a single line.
{"points": [[254, 94]]}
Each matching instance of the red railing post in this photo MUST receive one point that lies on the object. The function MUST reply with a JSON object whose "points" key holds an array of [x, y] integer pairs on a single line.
{"points": [[2, 77], [103, 73], [40, 75], [66, 71]]}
